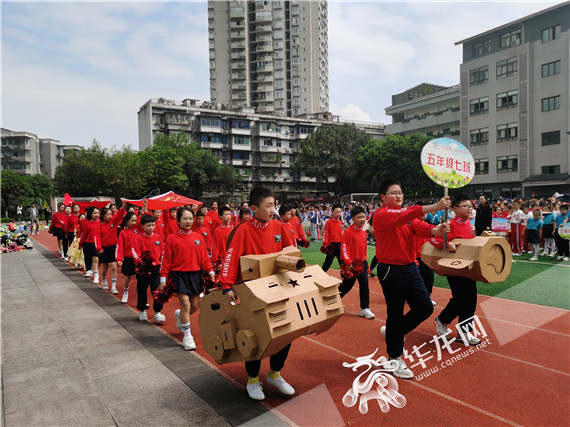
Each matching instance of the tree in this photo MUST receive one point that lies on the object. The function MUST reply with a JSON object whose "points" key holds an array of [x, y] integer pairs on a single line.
{"points": [[330, 152], [396, 157], [14, 187], [40, 187]]}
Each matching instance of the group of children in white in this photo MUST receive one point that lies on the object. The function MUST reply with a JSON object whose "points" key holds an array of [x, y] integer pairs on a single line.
{"points": [[187, 244]]}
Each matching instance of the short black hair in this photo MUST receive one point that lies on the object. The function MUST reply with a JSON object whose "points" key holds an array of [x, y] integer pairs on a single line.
{"points": [[384, 185], [565, 207], [104, 211], [458, 199], [258, 194], [127, 218], [89, 212], [356, 210], [222, 210], [336, 206], [244, 211], [200, 213], [284, 209], [181, 211], [146, 218]]}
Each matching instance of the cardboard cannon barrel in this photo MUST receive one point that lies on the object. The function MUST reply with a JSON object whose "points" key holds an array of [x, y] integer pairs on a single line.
{"points": [[486, 258], [277, 304]]}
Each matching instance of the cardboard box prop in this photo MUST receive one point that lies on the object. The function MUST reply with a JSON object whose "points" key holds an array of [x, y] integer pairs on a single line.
{"points": [[486, 258], [276, 306]]}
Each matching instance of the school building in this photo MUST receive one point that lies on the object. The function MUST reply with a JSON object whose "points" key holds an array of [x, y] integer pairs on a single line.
{"points": [[25, 153], [511, 107], [261, 148]]}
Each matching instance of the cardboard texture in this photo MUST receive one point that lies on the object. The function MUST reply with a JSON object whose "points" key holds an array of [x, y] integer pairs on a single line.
{"points": [[486, 258], [276, 306]]}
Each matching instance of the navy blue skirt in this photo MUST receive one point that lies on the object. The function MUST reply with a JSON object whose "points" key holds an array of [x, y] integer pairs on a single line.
{"points": [[187, 282]]}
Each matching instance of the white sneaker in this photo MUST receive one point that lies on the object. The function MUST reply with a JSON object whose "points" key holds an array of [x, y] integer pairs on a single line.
{"points": [[255, 391], [565, 258], [441, 328], [159, 317], [34, 233], [383, 331], [188, 343], [125, 297], [402, 371], [533, 258], [515, 254], [96, 278], [76, 265], [545, 253], [433, 302], [559, 258], [553, 254], [142, 316], [471, 339], [88, 273], [280, 384], [365, 312], [177, 315], [114, 291], [62, 256], [104, 284]]}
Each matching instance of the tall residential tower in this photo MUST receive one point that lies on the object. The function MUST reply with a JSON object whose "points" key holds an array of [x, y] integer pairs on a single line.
{"points": [[271, 55]]}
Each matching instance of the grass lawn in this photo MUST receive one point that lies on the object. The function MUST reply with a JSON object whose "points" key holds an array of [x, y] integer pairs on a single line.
{"points": [[544, 282]]}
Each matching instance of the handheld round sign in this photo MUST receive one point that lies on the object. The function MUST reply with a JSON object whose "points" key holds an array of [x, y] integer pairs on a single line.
{"points": [[564, 231], [448, 163]]}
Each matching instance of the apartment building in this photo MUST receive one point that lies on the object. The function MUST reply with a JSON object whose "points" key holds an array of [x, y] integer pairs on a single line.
{"points": [[261, 148], [25, 153], [271, 55], [514, 83], [426, 109]]}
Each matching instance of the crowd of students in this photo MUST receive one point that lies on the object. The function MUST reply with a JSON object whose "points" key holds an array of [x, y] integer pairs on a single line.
{"points": [[183, 247]]}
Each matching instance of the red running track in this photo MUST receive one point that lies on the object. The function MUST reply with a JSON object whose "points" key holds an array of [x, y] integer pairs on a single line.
{"points": [[521, 377]]}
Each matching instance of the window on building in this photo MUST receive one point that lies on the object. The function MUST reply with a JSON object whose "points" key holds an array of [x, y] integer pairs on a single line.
{"points": [[295, 31], [278, 65], [242, 140], [240, 155], [278, 34], [551, 33], [296, 81], [508, 132], [278, 54], [479, 106], [507, 67], [278, 44], [550, 170], [279, 94], [296, 91], [240, 124], [481, 166], [279, 84], [207, 121], [278, 24], [479, 75], [479, 136], [507, 164], [551, 138], [552, 103], [483, 48], [507, 100], [551, 69], [511, 39]]}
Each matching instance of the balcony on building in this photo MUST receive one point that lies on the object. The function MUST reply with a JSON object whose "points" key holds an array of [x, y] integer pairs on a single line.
{"points": [[237, 12], [238, 65], [238, 45]]}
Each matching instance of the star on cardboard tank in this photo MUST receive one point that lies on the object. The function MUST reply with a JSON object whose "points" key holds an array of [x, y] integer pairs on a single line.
{"points": [[279, 301]]}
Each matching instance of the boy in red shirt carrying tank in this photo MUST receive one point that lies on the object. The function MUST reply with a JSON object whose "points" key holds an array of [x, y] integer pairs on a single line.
{"points": [[260, 235]]}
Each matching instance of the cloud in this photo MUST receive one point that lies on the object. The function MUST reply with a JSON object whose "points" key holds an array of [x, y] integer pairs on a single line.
{"points": [[353, 112]]}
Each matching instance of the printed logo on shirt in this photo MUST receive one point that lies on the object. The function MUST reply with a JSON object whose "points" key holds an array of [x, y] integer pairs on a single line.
{"points": [[111, 226], [135, 232], [157, 243], [277, 238], [197, 242]]}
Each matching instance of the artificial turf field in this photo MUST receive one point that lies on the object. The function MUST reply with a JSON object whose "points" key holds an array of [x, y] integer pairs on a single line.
{"points": [[543, 282]]}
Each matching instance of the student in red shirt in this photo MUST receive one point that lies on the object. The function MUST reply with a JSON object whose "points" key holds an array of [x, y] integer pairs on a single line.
{"points": [[298, 227], [56, 227], [288, 225], [169, 220], [124, 253], [463, 300], [260, 235], [332, 235], [91, 242], [394, 229], [216, 221], [354, 248], [199, 227], [244, 215], [71, 224], [149, 241], [185, 256], [221, 234], [109, 239]]}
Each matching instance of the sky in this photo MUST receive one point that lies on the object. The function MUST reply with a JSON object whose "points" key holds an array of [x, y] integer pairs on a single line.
{"points": [[78, 71]]}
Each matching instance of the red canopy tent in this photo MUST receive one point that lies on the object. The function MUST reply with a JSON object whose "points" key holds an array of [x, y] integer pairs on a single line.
{"points": [[68, 201], [165, 201]]}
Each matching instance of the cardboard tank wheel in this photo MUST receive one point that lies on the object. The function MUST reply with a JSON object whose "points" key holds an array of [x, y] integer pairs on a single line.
{"points": [[247, 342], [486, 258], [216, 347]]}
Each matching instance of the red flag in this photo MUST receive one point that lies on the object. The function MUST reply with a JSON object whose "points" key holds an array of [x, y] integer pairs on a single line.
{"points": [[165, 201]]}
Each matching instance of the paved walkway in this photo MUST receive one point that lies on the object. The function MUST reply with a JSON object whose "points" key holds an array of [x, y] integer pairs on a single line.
{"points": [[71, 355]]}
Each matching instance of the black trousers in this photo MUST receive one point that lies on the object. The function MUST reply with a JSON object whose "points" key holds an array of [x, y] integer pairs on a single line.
{"points": [[347, 285], [401, 284], [463, 300], [330, 258], [427, 275], [562, 245], [143, 282], [89, 251], [276, 362]]}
